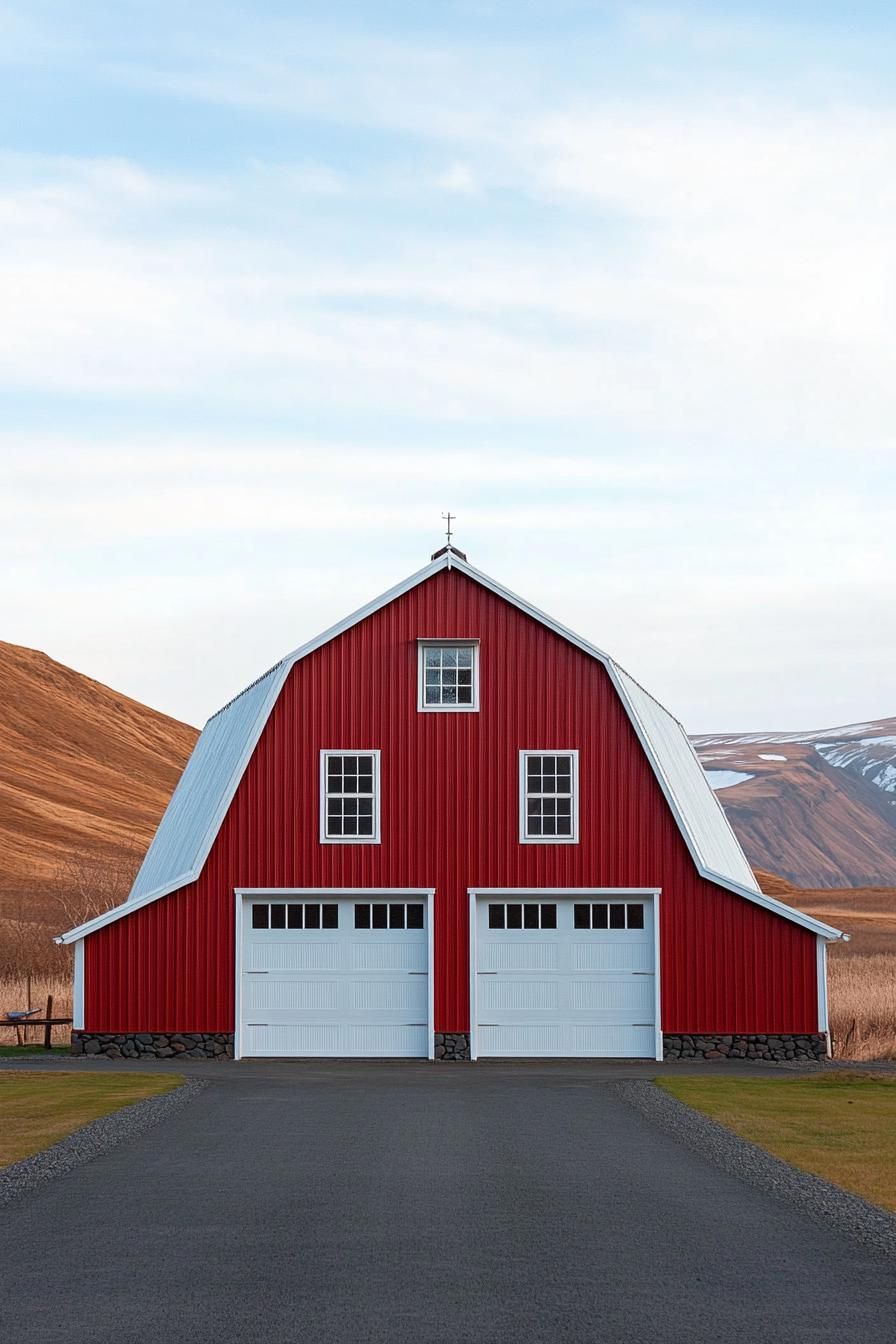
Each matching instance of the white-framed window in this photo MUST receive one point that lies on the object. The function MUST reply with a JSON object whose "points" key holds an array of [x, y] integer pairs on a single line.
{"points": [[448, 675], [549, 797], [350, 797]]}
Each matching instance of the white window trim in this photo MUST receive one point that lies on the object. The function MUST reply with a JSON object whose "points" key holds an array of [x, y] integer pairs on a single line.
{"points": [[572, 839], [821, 966], [78, 987], [350, 839], [422, 645]]}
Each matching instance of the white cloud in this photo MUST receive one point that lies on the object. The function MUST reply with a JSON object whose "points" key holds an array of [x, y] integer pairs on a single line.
{"points": [[459, 179], [647, 361], [743, 253]]}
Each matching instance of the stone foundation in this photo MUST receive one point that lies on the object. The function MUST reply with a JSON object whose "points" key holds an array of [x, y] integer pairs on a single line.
{"points": [[767, 1047], [155, 1045], [452, 1045], [449, 1046]]}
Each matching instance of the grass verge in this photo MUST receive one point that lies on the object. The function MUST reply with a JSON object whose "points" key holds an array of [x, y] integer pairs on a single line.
{"points": [[22, 1051], [39, 1109], [841, 1126]]}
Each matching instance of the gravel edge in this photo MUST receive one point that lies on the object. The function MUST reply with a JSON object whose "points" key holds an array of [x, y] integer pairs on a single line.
{"points": [[93, 1139], [818, 1199]]}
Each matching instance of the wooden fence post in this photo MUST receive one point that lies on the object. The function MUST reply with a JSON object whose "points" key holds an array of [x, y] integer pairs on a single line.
{"points": [[48, 1030]]}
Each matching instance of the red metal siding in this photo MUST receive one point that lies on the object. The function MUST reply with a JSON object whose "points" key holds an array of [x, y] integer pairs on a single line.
{"points": [[450, 821]]}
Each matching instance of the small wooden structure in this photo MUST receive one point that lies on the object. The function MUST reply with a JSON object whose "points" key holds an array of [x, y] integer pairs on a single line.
{"points": [[48, 1022]]}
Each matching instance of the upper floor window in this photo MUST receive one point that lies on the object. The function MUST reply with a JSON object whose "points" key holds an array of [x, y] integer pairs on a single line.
{"points": [[350, 797], [448, 674], [549, 797]]}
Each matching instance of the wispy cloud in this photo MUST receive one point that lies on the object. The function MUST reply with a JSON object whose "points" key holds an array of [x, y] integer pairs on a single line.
{"points": [[291, 288]]}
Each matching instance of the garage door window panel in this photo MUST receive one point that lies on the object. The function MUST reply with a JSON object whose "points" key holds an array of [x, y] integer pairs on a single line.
{"points": [[295, 915], [391, 915], [609, 915], [522, 915], [549, 803]]}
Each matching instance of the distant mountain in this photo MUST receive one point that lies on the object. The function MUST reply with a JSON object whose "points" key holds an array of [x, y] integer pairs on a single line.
{"points": [[85, 774], [817, 808]]}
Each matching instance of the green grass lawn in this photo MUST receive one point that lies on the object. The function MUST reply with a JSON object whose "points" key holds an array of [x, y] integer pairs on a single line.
{"points": [[841, 1126], [13, 1051], [38, 1109]]}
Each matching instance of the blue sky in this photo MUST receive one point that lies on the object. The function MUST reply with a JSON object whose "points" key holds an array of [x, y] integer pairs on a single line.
{"points": [[614, 282]]}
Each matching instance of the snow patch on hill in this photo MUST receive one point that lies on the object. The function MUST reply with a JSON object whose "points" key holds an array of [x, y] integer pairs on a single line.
{"points": [[872, 757], [726, 779], [760, 739]]}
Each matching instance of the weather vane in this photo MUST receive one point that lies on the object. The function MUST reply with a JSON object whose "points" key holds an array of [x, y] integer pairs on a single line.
{"points": [[450, 518]]}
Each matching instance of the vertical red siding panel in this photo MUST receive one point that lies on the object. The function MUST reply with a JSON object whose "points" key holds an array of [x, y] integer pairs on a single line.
{"points": [[450, 821]]}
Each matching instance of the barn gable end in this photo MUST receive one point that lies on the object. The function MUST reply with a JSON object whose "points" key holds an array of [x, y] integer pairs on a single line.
{"points": [[200, 801], [713, 954]]}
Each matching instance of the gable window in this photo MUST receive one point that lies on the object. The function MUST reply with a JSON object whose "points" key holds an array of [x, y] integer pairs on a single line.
{"points": [[448, 675], [350, 797], [549, 797]]}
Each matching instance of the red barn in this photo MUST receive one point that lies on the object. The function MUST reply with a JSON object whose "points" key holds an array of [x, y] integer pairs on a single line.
{"points": [[448, 827]]}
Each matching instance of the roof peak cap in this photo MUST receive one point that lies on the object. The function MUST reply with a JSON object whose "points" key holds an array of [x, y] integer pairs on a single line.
{"points": [[448, 550]]}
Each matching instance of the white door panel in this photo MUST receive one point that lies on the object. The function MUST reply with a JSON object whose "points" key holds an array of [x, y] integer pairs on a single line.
{"points": [[561, 989], [337, 991]]}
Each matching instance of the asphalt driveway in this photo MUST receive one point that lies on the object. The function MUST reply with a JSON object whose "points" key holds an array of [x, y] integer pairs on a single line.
{"points": [[317, 1202]]}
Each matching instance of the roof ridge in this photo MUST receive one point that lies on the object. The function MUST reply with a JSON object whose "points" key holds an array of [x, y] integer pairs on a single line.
{"points": [[239, 695], [650, 696]]}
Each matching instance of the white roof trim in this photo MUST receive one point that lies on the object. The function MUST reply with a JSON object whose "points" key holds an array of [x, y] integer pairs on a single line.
{"points": [[618, 676]]}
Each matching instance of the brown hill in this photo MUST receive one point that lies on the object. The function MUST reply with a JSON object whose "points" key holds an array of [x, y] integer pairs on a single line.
{"points": [[819, 808], [85, 774]]}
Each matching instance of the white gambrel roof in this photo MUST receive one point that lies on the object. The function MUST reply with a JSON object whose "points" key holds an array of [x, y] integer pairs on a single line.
{"points": [[207, 786]]}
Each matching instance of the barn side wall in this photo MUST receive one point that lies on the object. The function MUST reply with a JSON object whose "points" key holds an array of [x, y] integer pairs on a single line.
{"points": [[450, 821]]}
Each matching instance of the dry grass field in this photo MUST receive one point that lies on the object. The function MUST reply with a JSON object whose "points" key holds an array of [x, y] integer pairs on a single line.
{"points": [[863, 1005]]}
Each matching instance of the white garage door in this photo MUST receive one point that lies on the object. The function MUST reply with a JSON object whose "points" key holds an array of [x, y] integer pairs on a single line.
{"points": [[333, 977], [565, 976]]}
